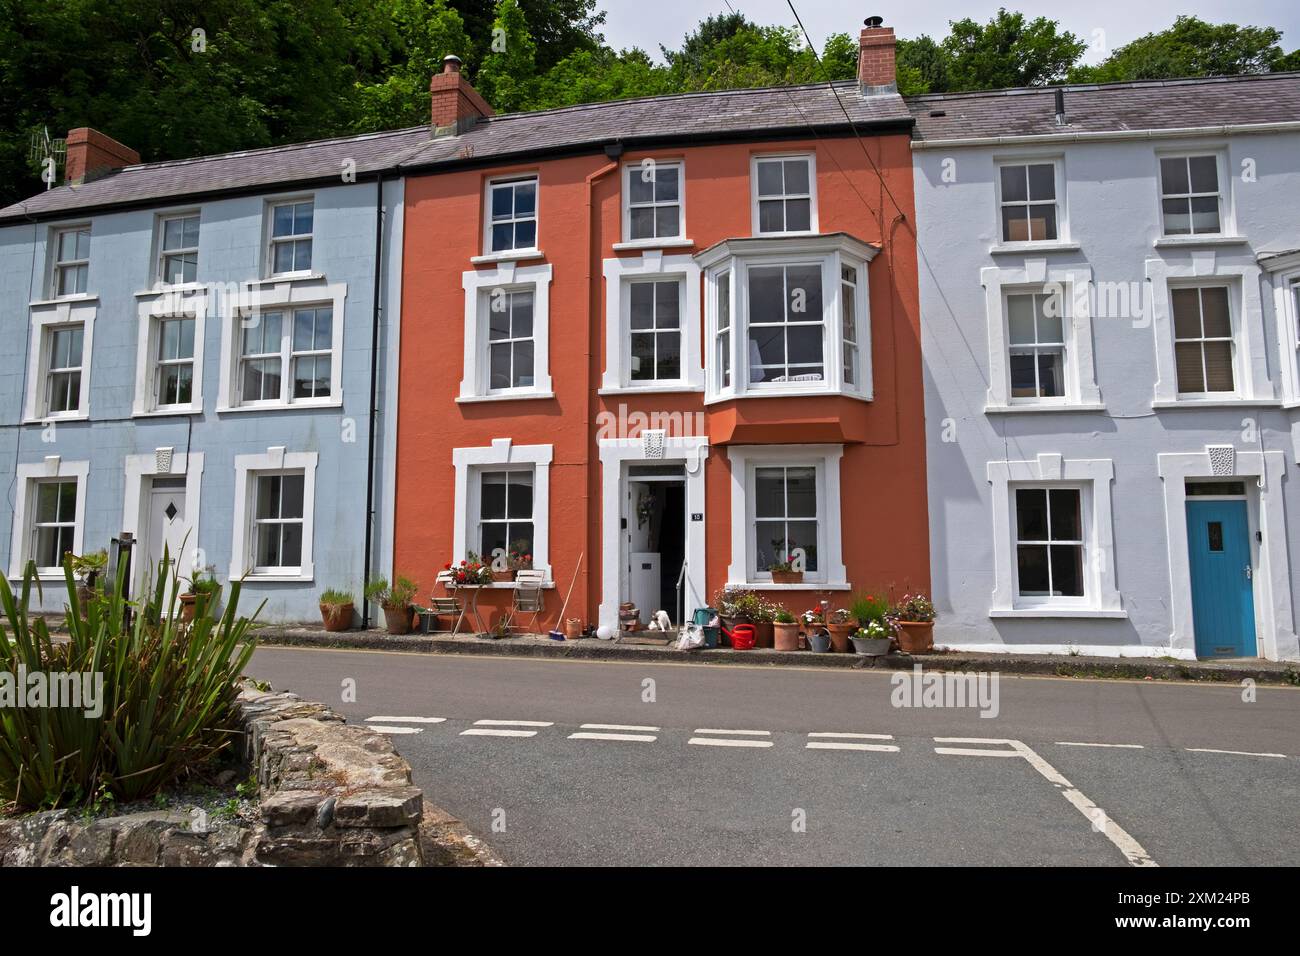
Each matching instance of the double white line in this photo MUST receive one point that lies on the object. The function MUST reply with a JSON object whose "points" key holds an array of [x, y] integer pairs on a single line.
{"points": [[838, 741], [505, 728], [383, 724], [738, 738], [639, 733]]}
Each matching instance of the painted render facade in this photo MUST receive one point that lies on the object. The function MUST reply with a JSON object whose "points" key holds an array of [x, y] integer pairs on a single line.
{"points": [[1120, 418], [265, 459]]}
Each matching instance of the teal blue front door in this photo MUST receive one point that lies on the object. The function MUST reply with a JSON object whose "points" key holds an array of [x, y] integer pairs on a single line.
{"points": [[1223, 603]]}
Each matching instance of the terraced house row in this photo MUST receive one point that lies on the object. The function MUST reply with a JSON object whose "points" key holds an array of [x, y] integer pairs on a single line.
{"points": [[1035, 351]]}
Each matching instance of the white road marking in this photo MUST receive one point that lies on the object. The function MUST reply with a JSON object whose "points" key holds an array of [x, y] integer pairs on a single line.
{"points": [[843, 745], [513, 723], [620, 727], [643, 738], [397, 730], [1075, 743], [497, 732], [724, 742], [755, 733], [1100, 820], [409, 720], [840, 736], [1235, 753]]}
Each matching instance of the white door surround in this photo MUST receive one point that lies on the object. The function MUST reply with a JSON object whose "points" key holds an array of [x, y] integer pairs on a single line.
{"points": [[140, 471], [614, 453], [1274, 621]]}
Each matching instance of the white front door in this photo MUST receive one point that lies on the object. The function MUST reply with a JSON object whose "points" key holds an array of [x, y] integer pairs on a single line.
{"points": [[166, 527]]}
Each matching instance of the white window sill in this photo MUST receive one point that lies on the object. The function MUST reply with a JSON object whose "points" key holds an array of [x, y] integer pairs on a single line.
{"points": [[1180, 242], [181, 288], [758, 234], [1219, 403], [504, 397], [806, 586], [288, 277], [499, 586], [58, 417], [63, 299], [788, 393], [48, 575], [1058, 612], [179, 410], [674, 243], [1063, 407], [251, 578], [281, 406], [1012, 248], [514, 255], [650, 389]]}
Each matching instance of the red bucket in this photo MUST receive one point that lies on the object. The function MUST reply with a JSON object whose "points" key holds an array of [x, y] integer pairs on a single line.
{"points": [[742, 637]]}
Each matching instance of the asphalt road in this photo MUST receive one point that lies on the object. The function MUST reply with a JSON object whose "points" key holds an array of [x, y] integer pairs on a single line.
{"points": [[690, 764]]}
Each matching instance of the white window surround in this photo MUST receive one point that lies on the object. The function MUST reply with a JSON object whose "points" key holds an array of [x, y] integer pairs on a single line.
{"points": [[1075, 284], [178, 303], [1101, 598], [502, 452], [54, 262], [53, 467], [811, 157], [1284, 272], [832, 251], [1227, 234], [1250, 361], [268, 230], [1062, 242], [651, 265], [141, 467], [156, 277], [637, 168], [478, 286], [247, 468], [286, 295], [1272, 581], [614, 452], [45, 317], [831, 575]]}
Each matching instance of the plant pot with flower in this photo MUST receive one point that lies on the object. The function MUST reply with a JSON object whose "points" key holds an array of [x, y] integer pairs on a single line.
{"points": [[914, 616], [395, 600], [783, 572], [814, 629], [873, 639], [840, 624], [785, 630], [87, 568], [336, 609]]}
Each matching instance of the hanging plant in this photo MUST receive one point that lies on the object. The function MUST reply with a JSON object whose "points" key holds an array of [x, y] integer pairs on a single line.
{"points": [[645, 509]]}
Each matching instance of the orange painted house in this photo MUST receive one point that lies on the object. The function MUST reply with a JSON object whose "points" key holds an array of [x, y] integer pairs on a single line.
{"points": [[677, 338]]}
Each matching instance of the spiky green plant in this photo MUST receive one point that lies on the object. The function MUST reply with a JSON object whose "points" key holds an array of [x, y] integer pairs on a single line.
{"points": [[169, 689]]}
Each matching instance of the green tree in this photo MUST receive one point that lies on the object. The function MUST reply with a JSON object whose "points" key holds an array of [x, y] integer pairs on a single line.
{"points": [[424, 31], [508, 77], [560, 28], [1008, 51], [1192, 47], [922, 66]]}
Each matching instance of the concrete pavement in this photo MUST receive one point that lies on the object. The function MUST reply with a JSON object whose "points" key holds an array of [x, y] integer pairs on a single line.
{"points": [[573, 762]]}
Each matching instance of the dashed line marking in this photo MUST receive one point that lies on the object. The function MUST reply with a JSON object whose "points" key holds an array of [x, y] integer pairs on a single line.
{"points": [[727, 742], [497, 732], [843, 745], [839, 736], [632, 727], [755, 733], [639, 738], [514, 723], [1100, 820], [1076, 743], [1235, 753], [396, 730], [408, 720]]}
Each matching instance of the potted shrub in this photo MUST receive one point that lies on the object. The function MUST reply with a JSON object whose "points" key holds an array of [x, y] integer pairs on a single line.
{"points": [[87, 568], [840, 625], [520, 558], [914, 617], [761, 614], [336, 609], [814, 629], [870, 609], [207, 591], [470, 572], [783, 573], [872, 639], [395, 600], [785, 631]]}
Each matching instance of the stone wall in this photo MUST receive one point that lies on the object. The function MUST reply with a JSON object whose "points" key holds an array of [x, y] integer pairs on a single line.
{"points": [[331, 794]]}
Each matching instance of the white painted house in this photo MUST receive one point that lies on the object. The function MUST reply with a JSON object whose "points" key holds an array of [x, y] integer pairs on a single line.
{"points": [[1109, 284]]}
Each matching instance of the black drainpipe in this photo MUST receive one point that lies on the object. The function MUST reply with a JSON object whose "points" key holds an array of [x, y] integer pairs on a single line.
{"points": [[374, 396]]}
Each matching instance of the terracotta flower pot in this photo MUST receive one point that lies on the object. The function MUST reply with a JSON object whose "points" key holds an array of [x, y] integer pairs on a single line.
{"points": [[397, 619], [573, 628], [188, 605], [787, 577], [764, 636], [507, 575], [337, 617], [786, 636], [840, 637], [916, 637]]}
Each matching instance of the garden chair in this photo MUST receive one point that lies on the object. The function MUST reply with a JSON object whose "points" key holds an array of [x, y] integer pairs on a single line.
{"points": [[527, 597], [447, 606]]}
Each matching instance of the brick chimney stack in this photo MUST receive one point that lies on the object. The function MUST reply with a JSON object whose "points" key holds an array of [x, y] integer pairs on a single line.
{"points": [[877, 67], [92, 155], [456, 104]]}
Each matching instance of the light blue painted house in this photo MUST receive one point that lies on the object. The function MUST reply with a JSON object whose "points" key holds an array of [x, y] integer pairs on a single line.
{"points": [[202, 354]]}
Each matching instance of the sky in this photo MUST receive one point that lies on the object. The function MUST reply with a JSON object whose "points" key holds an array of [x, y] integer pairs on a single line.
{"points": [[1103, 24]]}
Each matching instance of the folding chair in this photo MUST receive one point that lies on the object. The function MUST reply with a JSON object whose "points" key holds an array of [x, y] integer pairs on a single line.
{"points": [[448, 606], [528, 597]]}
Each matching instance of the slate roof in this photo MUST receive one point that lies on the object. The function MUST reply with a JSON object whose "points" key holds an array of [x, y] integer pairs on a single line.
{"points": [[665, 118], [1111, 107]]}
